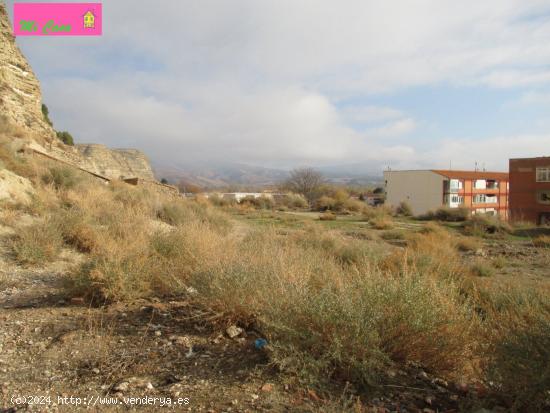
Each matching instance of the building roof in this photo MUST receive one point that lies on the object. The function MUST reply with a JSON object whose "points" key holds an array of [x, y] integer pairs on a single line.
{"points": [[451, 174]]}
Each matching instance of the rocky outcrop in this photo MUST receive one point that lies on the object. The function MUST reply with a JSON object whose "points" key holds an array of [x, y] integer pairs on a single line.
{"points": [[115, 163], [20, 96], [21, 105], [14, 188]]}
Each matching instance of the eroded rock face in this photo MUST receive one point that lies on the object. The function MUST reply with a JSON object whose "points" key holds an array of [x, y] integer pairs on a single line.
{"points": [[21, 104], [20, 96], [14, 188], [115, 163]]}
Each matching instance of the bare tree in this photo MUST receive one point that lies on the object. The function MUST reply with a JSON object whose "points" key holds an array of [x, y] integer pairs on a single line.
{"points": [[305, 181]]}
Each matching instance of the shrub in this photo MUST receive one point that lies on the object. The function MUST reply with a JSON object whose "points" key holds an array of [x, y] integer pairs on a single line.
{"points": [[405, 209], [325, 203], [262, 202], [38, 243], [482, 269], [468, 244], [446, 214], [393, 235], [518, 330], [46, 114], [482, 225], [15, 163], [324, 320], [220, 201], [65, 137], [294, 201], [382, 222], [181, 212], [61, 177], [542, 241], [354, 205], [327, 216]]}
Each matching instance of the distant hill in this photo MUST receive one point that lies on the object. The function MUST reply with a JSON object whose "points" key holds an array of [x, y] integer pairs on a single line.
{"points": [[210, 176]]}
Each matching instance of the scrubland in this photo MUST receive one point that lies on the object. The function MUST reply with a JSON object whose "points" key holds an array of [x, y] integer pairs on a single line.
{"points": [[337, 303]]}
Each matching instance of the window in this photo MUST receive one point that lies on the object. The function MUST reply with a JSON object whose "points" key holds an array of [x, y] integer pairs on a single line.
{"points": [[543, 174], [491, 184], [457, 199], [544, 197], [480, 199], [456, 184], [480, 184]]}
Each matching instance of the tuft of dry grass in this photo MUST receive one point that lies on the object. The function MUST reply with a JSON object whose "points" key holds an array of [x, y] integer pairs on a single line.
{"points": [[468, 244], [542, 241], [38, 243], [382, 222], [327, 216]]}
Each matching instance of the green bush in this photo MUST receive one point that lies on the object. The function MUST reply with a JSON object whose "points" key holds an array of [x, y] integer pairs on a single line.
{"points": [[61, 177], [46, 114], [65, 137]]}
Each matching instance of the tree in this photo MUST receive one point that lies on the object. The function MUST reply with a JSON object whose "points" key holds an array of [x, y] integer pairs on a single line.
{"points": [[305, 181], [164, 181], [66, 137]]}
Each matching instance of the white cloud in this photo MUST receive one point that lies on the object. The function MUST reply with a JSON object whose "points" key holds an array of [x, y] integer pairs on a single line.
{"points": [[262, 81], [493, 153], [535, 98], [370, 114]]}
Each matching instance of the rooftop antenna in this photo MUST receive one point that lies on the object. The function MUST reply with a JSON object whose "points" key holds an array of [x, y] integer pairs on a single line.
{"points": [[484, 170], [475, 168]]}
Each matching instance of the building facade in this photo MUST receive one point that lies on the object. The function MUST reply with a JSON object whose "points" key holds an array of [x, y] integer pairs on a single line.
{"points": [[479, 191], [530, 190]]}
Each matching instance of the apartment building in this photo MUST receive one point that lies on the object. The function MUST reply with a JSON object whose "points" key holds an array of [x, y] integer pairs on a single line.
{"points": [[427, 190], [530, 190]]}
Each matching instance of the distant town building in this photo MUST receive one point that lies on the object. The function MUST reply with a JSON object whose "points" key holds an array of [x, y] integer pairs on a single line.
{"points": [[427, 190], [530, 190]]}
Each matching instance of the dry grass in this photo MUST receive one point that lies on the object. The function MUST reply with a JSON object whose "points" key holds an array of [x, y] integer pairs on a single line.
{"points": [[38, 243], [382, 222], [542, 241], [468, 244], [332, 308], [327, 216]]}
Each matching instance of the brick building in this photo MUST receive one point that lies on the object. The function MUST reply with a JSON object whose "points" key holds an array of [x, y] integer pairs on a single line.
{"points": [[480, 191], [530, 190]]}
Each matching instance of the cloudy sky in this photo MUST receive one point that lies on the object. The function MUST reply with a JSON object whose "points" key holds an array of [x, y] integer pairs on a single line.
{"points": [[282, 83]]}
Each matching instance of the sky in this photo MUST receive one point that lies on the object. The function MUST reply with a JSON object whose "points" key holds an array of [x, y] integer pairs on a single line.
{"points": [[288, 83]]}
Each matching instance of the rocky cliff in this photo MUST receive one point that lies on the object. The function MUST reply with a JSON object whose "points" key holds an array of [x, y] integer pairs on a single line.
{"points": [[114, 163], [21, 105], [20, 97]]}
